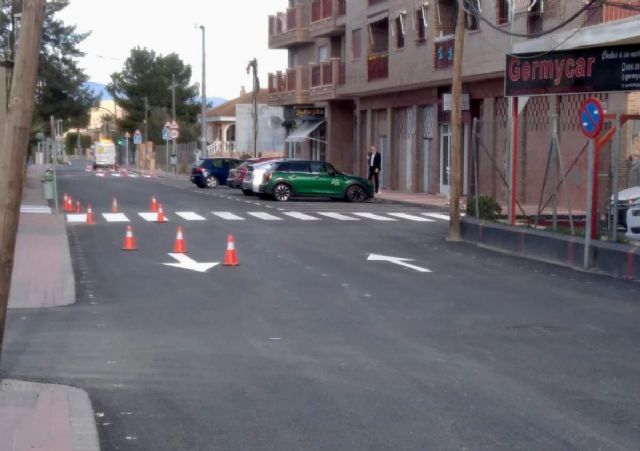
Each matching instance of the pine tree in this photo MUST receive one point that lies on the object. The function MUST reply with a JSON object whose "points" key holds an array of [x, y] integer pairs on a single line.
{"points": [[146, 74], [60, 90]]}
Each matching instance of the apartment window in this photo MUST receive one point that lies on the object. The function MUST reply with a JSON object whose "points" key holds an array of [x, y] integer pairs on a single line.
{"points": [[421, 23], [379, 37], [472, 9], [502, 13], [400, 29], [356, 43], [323, 53], [446, 16], [534, 19]]}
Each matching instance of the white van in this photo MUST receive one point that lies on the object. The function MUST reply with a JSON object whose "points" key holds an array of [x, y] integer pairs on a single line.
{"points": [[104, 152]]}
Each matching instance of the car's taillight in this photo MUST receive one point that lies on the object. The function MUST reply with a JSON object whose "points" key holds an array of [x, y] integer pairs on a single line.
{"points": [[266, 177], [200, 170]]}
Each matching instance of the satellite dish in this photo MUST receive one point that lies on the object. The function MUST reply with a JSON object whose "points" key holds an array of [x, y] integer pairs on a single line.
{"points": [[275, 122]]}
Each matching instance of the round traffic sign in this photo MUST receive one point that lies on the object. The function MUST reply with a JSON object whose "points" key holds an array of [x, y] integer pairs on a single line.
{"points": [[174, 133], [591, 117]]}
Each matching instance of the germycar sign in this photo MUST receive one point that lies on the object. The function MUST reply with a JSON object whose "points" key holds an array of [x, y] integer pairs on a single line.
{"points": [[596, 69]]}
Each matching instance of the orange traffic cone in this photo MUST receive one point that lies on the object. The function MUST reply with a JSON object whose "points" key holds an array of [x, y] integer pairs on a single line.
{"points": [[179, 246], [78, 208], [69, 205], [114, 206], [89, 215], [129, 240], [160, 217], [65, 202], [230, 256], [154, 205]]}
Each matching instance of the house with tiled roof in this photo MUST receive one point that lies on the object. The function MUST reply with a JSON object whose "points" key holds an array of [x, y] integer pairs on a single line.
{"points": [[230, 126]]}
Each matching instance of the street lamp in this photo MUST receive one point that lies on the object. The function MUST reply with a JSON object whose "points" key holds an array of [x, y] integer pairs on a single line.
{"points": [[203, 109]]}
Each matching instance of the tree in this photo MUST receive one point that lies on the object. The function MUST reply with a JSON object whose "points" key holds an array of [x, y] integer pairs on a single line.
{"points": [[60, 89], [146, 74]]}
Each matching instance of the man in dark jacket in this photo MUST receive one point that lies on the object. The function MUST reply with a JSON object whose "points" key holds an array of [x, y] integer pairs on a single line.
{"points": [[375, 165]]}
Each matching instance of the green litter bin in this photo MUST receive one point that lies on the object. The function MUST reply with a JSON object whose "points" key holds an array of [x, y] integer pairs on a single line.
{"points": [[47, 185]]}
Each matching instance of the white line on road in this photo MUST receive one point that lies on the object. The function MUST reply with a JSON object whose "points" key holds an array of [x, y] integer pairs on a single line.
{"points": [[190, 216], [374, 217], [338, 216], [301, 216], [411, 217], [35, 209], [437, 216], [150, 216], [76, 218], [264, 216], [115, 217], [228, 215]]}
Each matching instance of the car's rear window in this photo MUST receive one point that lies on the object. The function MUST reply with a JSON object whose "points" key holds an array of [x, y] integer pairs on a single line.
{"points": [[299, 166]]}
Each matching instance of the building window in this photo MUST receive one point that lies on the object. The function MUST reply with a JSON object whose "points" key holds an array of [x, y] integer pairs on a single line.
{"points": [[400, 27], [356, 44], [446, 15], [471, 20], [534, 18], [323, 53], [421, 23], [502, 13], [379, 36]]}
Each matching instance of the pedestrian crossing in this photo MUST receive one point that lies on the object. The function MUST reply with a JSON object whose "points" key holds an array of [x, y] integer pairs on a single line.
{"points": [[275, 217]]}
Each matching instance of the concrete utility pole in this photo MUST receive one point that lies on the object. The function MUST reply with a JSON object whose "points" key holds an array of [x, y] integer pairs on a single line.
{"points": [[253, 64], [173, 96], [15, 142], [203, 112], [456, 129], [146, 120]]}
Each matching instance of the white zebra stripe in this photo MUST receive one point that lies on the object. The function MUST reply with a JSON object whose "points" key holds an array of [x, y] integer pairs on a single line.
{"points": [[228, 215], [301, 216], [411, 217], [264, 216]]}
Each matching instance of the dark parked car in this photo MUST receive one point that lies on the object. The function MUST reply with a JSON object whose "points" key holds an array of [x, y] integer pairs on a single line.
{"points": [[211, 172], [236, 176], [284, 179]]}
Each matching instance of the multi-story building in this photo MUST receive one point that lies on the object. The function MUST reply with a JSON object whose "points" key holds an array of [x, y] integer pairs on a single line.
{"points": [[378, 72]]}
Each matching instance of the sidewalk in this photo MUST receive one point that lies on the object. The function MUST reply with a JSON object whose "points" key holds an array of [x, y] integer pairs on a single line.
{"points": [[439, 201], [33, 416], [42, 273]]}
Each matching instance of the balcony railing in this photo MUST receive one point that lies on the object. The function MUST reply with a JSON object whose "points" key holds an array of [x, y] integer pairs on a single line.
{"points": [[290, 86], [378, 66], [324, 77], [289, 28], [323, 17]]}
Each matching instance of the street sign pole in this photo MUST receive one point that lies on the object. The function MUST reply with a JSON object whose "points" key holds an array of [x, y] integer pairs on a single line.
{"points": [[591, 121], [126, 151], [587, 235]]}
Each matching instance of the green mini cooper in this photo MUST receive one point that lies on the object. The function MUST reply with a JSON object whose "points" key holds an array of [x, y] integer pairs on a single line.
{"points": [[287, 178]]}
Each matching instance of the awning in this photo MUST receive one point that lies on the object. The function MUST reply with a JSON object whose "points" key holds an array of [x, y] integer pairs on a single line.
{"points": [[301, 133]]}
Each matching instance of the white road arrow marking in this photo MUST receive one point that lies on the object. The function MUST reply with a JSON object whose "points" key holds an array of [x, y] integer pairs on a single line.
{"points": [[185, 262], [397, 261]]}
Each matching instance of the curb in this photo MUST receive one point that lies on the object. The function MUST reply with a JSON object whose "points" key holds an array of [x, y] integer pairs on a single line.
{"points": [[84, 433], [407, 202]]}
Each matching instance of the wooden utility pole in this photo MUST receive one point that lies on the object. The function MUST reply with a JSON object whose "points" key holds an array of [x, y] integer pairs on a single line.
{"points": [[253, 65], [15, 141], [456, 128]]}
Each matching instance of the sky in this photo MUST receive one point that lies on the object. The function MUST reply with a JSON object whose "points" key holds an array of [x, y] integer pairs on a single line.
{"points": [[235, 32]]}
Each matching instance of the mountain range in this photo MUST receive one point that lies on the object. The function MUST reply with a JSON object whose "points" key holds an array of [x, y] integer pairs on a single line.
{"points": [[100, 90]]}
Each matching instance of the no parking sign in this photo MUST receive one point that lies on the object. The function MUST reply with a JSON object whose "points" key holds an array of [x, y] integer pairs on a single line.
{"points": [[591, 117]]}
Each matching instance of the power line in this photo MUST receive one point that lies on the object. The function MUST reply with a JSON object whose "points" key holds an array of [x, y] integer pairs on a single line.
{"points": [[540, 55], [476, 12]]}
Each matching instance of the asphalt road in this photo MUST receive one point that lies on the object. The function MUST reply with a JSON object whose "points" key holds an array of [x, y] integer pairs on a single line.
{"points": [[308, 346]]}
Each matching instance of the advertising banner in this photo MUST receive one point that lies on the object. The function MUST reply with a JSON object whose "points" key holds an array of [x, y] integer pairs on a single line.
{"points": [[594, 69]]}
